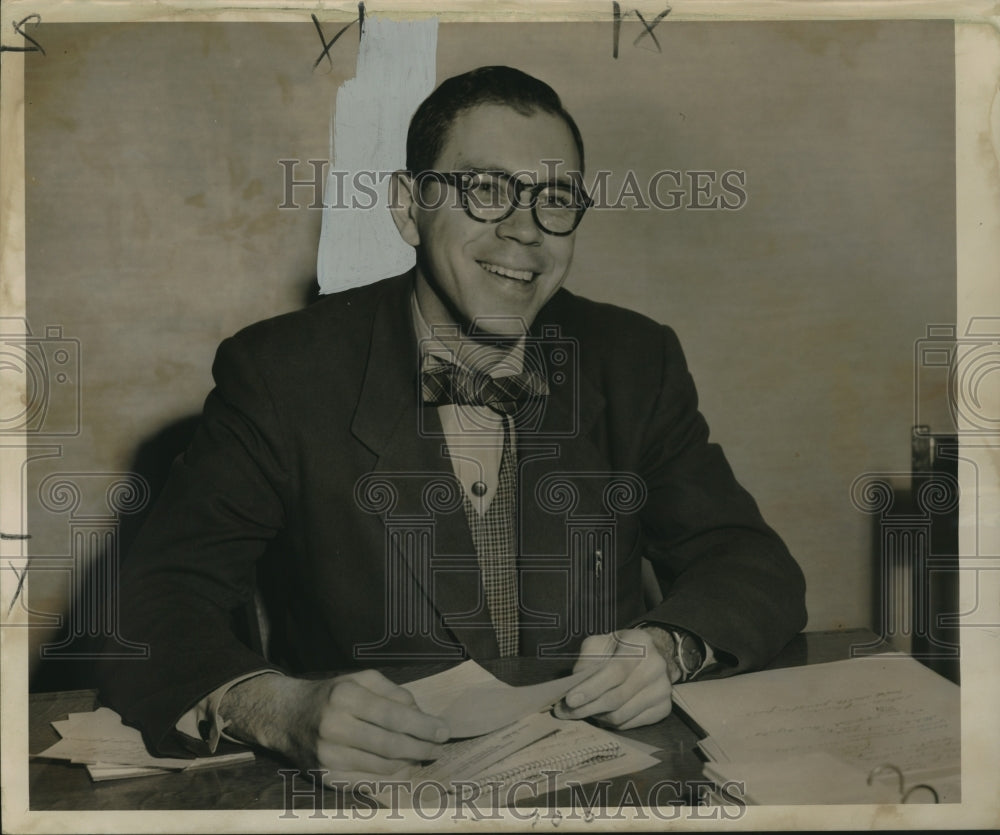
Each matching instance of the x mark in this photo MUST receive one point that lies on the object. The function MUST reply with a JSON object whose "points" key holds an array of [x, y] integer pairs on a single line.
{"points": [[328, 45], [649, 27]]}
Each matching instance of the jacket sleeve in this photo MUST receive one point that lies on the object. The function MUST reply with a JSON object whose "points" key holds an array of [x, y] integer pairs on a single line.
{"points": [[727, 576], [193, 562]]}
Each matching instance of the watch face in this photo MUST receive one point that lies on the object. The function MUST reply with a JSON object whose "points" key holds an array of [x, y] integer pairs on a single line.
{"points": [[689, 654]]}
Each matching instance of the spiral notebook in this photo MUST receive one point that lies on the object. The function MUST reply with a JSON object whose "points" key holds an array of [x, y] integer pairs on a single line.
{"points": [[539, 753], [525, 743]]}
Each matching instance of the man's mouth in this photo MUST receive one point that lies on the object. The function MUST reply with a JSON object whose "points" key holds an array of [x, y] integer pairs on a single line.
{"points": [[507, 272]]}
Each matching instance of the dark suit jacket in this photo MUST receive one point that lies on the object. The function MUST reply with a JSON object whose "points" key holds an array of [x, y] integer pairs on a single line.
{"points": [[314, 450]]}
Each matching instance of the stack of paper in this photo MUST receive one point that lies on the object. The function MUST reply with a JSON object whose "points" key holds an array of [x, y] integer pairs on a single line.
{"points": [[796, 780], [528, 758], [511, 740], [111, 750], [856, 715]]}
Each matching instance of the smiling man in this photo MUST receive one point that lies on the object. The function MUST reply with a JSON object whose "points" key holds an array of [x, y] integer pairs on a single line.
{"points": [[504, 267], [463, 461]]}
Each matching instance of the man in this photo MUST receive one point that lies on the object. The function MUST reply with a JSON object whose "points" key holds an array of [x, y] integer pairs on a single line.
{"points": [[468, 438]]}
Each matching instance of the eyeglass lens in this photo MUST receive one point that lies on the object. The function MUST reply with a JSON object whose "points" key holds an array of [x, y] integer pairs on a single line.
{"points": [[491, 197]]}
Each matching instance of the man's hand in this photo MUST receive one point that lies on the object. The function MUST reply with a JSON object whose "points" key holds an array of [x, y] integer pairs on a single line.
{"points": [[630, 686], [357, 727]]}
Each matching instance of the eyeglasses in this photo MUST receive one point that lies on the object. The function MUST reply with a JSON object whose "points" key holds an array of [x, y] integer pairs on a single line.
{"points": [[492, 196]]}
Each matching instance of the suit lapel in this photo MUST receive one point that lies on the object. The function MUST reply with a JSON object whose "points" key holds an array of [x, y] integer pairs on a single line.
{"points": [[563, 515], [412, 465]]}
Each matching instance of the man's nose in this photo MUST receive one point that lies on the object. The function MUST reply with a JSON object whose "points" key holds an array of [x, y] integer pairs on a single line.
{"points": [[520, 226]]}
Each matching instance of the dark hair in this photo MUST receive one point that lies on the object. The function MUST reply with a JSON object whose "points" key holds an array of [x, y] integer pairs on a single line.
{"points": [[486, 85]]}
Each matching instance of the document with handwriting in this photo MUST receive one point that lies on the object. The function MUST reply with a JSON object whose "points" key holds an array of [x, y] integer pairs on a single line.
{"points": [[871, 711]]}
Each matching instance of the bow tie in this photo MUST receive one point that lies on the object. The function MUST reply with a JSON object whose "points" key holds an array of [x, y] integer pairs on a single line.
{"points": [[448, 383]]}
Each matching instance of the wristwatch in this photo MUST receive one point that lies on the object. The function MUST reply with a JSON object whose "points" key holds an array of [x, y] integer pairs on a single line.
{"points": [[689, 652], [684, 652]]}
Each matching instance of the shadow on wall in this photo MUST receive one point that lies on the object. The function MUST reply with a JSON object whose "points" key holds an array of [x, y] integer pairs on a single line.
{"points": [[82, 636], [84, 630]]}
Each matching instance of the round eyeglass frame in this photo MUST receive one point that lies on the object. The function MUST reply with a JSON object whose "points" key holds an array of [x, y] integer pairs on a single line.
{"points": [[464, 180]]}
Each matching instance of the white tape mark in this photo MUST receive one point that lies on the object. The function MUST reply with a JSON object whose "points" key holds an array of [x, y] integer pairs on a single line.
{"points": [[396, 70]]}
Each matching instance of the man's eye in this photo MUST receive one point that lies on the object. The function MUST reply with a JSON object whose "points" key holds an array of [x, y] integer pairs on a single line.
{"points": [[557, 200], [486, 192], [486, 187]]}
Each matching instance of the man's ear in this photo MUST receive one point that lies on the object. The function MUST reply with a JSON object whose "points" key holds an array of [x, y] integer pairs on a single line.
{"points": [[404, 206]]}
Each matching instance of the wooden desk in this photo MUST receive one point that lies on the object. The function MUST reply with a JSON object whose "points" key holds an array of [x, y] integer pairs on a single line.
{"points": [[259, 785]]}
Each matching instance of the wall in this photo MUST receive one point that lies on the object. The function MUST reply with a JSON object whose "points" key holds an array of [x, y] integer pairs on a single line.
{"points": [[153, 232]]}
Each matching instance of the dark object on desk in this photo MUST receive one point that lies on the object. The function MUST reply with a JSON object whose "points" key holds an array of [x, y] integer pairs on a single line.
{"points": [[915, 544], [934, 483]]}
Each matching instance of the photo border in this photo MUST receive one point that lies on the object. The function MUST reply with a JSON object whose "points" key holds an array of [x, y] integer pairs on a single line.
{"points": [[977, 64]]}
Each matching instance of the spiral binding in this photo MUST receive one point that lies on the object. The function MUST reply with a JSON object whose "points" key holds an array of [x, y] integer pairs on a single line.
{"points": [[562, 762], [904, 792]]}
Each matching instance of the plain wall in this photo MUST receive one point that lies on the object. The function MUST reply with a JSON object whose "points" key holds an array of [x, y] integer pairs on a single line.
{"points": [[153, 233]]}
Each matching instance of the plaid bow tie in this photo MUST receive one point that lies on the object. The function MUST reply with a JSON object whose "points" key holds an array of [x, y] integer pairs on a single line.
{"points": [[448, 383]]}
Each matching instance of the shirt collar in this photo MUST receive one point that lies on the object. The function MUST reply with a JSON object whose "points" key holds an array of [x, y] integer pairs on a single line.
{"points": [[444, 344]]}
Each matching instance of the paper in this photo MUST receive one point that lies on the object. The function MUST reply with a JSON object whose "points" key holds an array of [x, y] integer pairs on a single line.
{"points": [[434, 693], [816, 777], [117, 751], [866, 711], [485, 703], [488, 707], [99, 772], [465, 759], [539, 753], [111, 749], [575, 751], [510, 739]]}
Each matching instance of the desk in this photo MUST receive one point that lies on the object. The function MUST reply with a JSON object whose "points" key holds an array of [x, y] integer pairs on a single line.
{"points": [[258, 785]]}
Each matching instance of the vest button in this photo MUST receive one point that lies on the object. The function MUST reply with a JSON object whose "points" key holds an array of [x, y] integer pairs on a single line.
{"points": [[479, 488]]}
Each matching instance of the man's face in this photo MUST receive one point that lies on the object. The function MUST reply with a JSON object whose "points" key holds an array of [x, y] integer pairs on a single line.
{"points": [[505, 271]]}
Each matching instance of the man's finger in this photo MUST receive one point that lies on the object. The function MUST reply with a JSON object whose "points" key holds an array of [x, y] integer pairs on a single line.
{"points": [[595, 650], [654, 698], [606, 702], [608, 677], [378, 683], [597, 702], [349, 697], [344, 758], [634, 644], [401, 696], [390, 744], [648, 716], [404, 719], [615, 684]]}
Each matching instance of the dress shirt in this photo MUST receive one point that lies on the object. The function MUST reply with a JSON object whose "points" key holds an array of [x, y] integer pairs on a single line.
{"points": [[474, 434]]}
